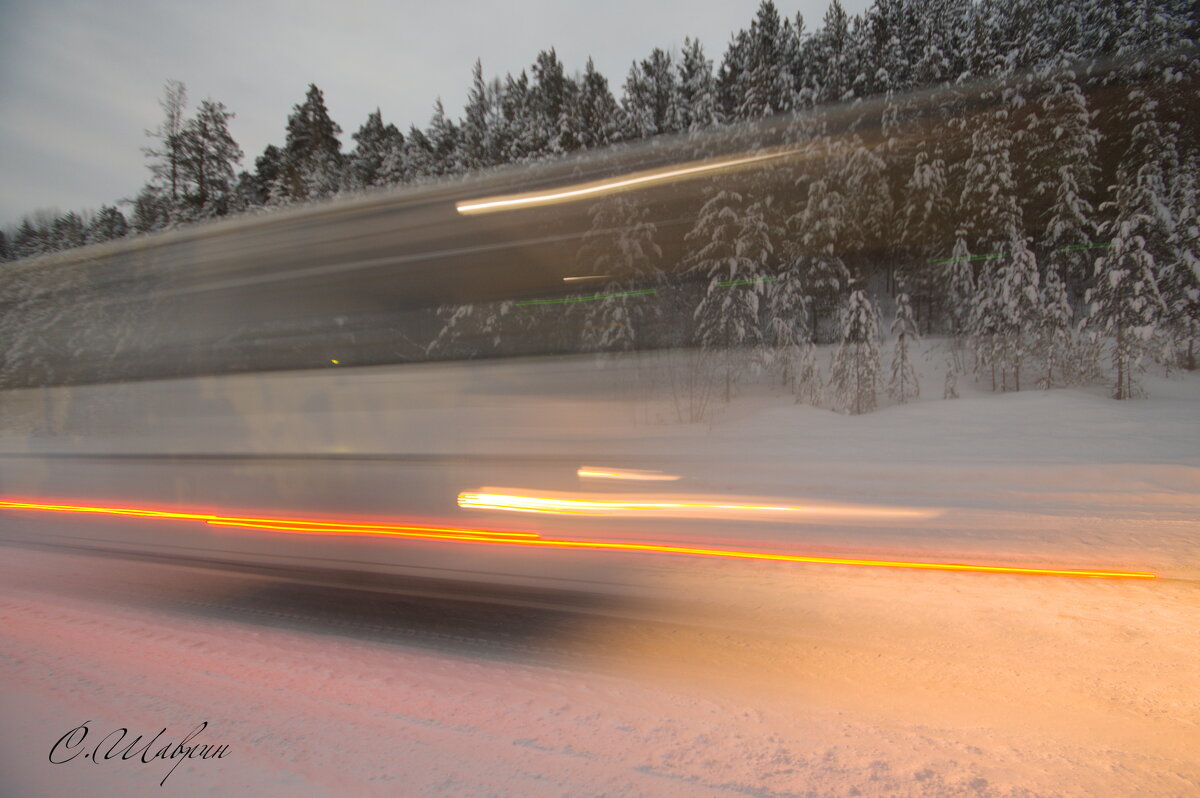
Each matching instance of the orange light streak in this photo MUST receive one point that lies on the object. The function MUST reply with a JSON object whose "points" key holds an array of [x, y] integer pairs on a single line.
{"points": [[497, 537], [625, 473], [313, 527]]}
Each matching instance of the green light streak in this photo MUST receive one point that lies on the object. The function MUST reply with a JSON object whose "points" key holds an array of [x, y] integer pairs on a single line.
{"points": [[595, 298]]}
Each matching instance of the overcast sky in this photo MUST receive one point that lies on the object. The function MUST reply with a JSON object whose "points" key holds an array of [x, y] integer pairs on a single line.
{"points": [[80, 79]]}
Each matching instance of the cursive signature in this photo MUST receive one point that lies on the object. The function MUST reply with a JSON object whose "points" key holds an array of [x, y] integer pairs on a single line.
{"points": [[71, 745]]}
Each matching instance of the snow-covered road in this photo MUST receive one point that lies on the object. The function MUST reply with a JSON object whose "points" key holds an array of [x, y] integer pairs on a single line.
{"points": [[826, 681], [723, 678]]}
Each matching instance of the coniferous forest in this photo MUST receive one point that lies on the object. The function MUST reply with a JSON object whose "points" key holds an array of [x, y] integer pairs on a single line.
{"points": [[1051, 234]]}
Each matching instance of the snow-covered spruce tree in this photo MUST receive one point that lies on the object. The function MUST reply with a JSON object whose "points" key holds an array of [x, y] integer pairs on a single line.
{"points": [[903, 384], [418, 159], [478, 131], [729, 246], [476, 330], [621, 246], [1054, 331], [516, 135], [958, 275], [854, 371], [1063, 143], [924, 218], [820, 230], [1178, 277], [987, 324], [757, 69], [1126, 301], [1021, 310], [696, 88], [787, 337], [1184, 298], [864, 188]]}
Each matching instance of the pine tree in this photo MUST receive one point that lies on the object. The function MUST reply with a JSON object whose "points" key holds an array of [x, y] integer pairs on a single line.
{"points": [[829, 54], [30, 240], [903, 384], [210, 157], [374, 141], [550, 100], [478, 135], [518, 135], [108, 225], [312, 162], [150, 211], [854, 371], [268, 174], [68, 232], [650, 96], [419, 159], [597, 116], [167, 157], [443, 138]]}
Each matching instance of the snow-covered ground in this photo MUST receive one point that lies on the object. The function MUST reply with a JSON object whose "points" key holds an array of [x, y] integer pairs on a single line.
{"points": [[733, 678]]}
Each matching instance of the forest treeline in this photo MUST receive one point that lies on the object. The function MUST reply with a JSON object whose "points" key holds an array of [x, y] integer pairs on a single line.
{"points": [[1049, 215]]}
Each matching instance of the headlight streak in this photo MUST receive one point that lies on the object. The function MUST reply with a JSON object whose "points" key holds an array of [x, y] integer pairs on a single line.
{"points": [[504, 538], [670, 507], [637, 179], [625, 473]]}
